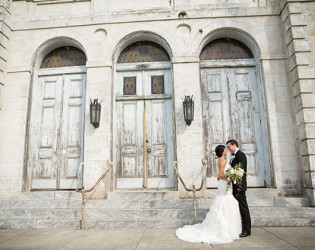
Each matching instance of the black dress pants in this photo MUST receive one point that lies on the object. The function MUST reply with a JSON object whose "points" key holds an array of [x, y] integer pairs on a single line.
{"points": [[245, 215]]}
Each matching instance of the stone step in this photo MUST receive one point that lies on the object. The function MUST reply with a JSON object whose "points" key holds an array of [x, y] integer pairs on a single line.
{"points": [[49, 195], [143, 223], [143, 195], [282, 212], [283, 222], [94, 223], [140, 210], [256, 212], [292, 202], [250, 193], [141, 204], [256, 197]]}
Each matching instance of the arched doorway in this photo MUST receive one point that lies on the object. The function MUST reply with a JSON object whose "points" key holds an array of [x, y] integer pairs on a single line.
{"points": [[144, 150], [57, 120], [233, 107]]}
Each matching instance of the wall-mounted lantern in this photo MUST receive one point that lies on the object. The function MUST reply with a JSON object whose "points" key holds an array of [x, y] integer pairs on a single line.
{"points": [[95, 113], [188, 105]]}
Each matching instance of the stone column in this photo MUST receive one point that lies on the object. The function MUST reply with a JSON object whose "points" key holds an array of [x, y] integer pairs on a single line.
{"points": [[302, 80], [97, 141], [188, 138]]}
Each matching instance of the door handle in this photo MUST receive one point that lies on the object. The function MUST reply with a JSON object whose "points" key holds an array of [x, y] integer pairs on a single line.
{"points": [[149, 150]]}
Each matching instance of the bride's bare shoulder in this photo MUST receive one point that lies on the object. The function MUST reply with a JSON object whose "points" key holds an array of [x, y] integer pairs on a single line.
{"points": [[222, 162]]}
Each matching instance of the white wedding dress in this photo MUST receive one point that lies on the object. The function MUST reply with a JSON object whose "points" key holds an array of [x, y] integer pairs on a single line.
{"points": [[222, 223]]}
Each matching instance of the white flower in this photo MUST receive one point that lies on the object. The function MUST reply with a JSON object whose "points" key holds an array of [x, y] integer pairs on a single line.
{"points": [[232, 171], [240, 172]]}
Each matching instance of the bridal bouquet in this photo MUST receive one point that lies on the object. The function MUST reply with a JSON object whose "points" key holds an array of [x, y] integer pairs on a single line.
{"points": [[234, 175]]}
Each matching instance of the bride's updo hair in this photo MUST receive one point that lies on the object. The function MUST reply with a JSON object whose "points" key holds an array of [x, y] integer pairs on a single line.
{"points": [[219, 150]]}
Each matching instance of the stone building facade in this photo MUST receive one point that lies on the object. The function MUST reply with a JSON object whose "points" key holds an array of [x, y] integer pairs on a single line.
{"points": [[249, 65]]}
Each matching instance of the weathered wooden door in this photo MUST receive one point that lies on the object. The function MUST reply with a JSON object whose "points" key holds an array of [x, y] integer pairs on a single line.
{"points": [[56, 130], [232, 108], [144, 129]]}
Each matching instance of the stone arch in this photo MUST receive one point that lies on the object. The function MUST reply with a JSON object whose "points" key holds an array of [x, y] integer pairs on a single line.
{"points": [[225, 48], [238, 35], [55, 43], [143, 51], [137, 37], [65, 56]]}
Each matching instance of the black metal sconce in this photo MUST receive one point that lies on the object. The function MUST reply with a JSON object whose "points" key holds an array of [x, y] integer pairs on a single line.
{"points": [[188, 105], [95, 113]]}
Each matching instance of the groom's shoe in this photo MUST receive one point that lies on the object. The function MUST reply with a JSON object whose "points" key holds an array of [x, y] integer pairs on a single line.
{"points": [[244, 234]]}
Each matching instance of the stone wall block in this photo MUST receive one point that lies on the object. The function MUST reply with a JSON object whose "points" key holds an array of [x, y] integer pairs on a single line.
{"points": [[290, 49], [301, 45], [307, 147], [302, 72], [1, 78], [293, 20], [298, 102], [311, 146], [311, 159], [297, 20], [302, 132], [305, 116], [304, 148], [298, 32], [310, 130], [294, 33], [309, 179], [308, 100], [2, 64], [3, 54], [311, 195], [305, 161], [287, 24], [5, 4], [306, 131], [294, 8], [298, 45], [4, 41], [4, 29], [284, 13], [296, 89], [299, 59]]}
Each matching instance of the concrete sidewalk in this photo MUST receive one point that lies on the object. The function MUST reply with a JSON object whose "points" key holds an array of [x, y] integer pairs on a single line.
{"points": [[261, 238]]}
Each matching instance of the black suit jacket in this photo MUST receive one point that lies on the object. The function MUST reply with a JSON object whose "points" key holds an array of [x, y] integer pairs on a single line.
{"points": [[240, 157]]}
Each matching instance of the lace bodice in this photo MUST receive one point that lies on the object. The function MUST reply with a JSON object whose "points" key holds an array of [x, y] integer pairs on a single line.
{"points": [[222, 184]]}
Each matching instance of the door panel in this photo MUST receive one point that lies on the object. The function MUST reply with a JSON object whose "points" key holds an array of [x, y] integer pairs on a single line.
{"points": [[144, 129], [129, 130], [45, 119], [231, 109], [72, 129], [132, 139], [159, 137], [215, 108], [247, 121], [56, 148]]}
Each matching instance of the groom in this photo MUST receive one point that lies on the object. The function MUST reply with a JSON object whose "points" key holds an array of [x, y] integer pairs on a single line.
{"points": [[239, 156]]}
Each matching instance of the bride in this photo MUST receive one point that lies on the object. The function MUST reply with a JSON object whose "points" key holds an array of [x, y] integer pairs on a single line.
{"points": [[223, 222]]}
